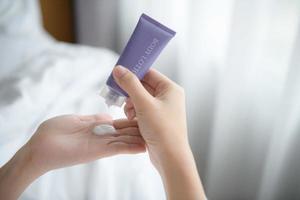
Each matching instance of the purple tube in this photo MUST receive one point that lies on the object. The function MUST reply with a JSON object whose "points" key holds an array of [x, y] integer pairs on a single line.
{"points": [[145, 44]]}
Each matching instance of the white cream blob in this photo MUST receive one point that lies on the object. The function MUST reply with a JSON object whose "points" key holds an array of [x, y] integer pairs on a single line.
{"points": [[104, 129]]}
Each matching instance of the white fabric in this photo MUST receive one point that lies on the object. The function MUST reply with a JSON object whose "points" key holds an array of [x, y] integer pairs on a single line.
{"points": [[45, 78], [20, 25], [239, 63]]}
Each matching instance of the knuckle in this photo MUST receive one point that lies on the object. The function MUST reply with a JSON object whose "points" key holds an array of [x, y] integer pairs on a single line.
{"points": [[128, 77]]}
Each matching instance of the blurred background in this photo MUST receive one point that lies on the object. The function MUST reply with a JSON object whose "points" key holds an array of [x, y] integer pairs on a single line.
{"points": [[238, 61]]}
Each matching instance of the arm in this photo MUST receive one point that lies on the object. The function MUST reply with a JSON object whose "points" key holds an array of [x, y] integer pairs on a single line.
{"points": [[180, 176], [63, 141], [158, 104], [17, 174]]}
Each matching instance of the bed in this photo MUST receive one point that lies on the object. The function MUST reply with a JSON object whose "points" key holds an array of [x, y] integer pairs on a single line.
{"points": [[40, 78]]}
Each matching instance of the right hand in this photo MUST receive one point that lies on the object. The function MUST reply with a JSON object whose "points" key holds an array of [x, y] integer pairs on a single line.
{"points": [[159, 106]]}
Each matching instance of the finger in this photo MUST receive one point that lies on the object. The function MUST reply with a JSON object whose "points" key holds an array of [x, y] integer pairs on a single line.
{"points": [[132, 85], [128, 103], [124, 148], [129, 131], [130, 114], [128, 106], [155, 79], [130, 139], [124, 123], [129, 110], [127, 137], [148, 88], [107, 145]]}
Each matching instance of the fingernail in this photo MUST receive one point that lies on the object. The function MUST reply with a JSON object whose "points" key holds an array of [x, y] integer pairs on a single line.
{"points": [[119, 71]]}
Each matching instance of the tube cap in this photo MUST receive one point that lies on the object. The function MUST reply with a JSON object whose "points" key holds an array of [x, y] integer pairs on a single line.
{"points": [[111, 97]]}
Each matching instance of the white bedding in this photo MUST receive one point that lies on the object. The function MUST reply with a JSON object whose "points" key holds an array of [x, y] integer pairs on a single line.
{"points": [[41, 78]]}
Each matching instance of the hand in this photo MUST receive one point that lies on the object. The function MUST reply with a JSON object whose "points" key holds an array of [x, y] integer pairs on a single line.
{"points": [[158, 104], [68, 140], [63, 141]]}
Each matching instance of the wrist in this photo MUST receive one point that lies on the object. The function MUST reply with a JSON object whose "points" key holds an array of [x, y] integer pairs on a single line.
{"points": [[178, 156], [179, 173], [27, 163], [20, 171]]}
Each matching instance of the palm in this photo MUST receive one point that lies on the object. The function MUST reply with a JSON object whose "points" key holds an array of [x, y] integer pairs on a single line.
{"points": [[68, 140]]}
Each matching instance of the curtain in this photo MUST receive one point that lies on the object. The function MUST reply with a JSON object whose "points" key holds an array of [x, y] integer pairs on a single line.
{"points": [[240, 66]]}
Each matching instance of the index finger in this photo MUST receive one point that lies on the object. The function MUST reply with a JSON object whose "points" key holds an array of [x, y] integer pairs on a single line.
{"points": [[124, 123]]}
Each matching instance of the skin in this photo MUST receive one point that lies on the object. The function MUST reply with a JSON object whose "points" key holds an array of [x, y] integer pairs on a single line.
{"points": [[156, 120], [158, 105], [64, 141]]}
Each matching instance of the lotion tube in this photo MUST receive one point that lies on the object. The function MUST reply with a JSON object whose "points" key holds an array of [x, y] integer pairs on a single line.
{"points": [[145, 44]]}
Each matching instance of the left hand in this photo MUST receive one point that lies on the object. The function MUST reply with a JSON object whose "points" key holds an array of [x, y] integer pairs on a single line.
{"points": [[63, 141], [69, 140]]}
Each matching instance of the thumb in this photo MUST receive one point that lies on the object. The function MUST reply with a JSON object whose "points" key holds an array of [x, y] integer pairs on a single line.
{"points": [[130, 83]]}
